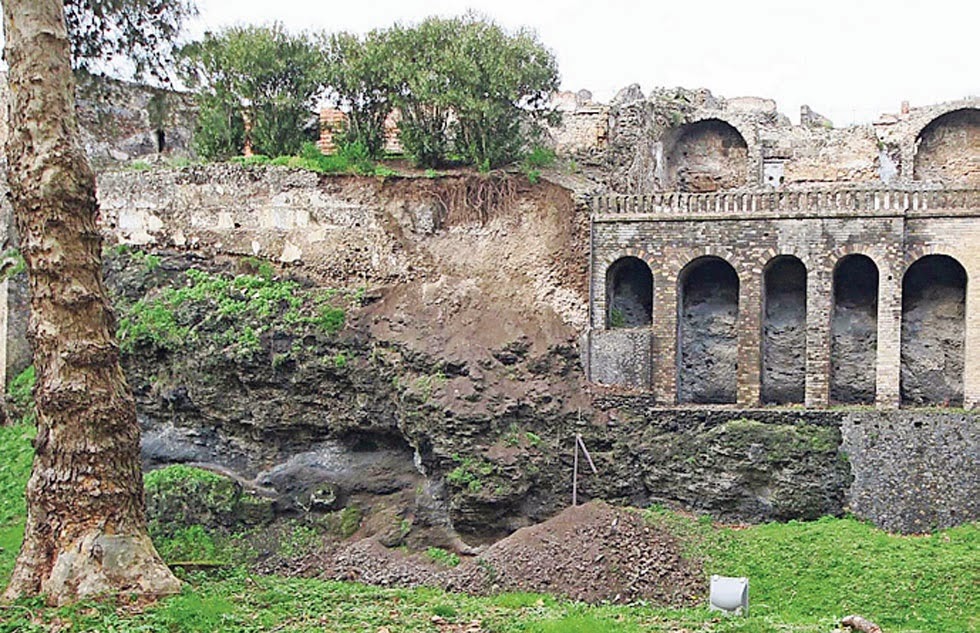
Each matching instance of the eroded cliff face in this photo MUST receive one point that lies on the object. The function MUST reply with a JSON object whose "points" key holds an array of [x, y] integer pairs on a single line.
{"points": [[449, 400]]}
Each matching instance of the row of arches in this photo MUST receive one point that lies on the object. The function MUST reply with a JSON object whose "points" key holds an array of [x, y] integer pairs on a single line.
{"points": [[712, 155], [933, 328]]}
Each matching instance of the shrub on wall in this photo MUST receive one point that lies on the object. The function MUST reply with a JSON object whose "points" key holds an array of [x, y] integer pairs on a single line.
{"points": [[468, 90], [255, 85]]}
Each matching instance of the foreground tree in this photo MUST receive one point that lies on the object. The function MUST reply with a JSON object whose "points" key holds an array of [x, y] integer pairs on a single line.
{"points": [[86, 526], [262, 75], [143, 32]]}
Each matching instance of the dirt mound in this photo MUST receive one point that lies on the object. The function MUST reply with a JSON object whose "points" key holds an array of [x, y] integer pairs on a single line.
{"points": [[369, 562], [591, 552]]}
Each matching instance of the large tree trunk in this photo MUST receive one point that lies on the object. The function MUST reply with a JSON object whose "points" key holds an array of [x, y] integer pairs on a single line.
{"points": [[86, 528]]}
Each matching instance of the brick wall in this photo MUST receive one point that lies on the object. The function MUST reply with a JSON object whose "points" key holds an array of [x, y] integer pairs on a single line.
{"points": [[891, 233]]}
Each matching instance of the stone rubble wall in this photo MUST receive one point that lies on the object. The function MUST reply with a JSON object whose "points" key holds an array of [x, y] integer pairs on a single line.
{"points": [[633, 146]]}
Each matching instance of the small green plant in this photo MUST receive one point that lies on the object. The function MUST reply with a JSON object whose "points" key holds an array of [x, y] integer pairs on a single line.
{"points": [[149, 261], [617, 318], [21, 394], [442, 557], [383, 171], [340, 360], [13, 263], [431, 173], [140, 165], [444, 611], [533, 176], [350, 521], [539, 157], [299, 540], [470, 473]]}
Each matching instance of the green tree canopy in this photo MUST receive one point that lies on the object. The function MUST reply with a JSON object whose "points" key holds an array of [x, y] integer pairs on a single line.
{"points": [[468, 89], [259, 74], [359, 81], [143, 32]]}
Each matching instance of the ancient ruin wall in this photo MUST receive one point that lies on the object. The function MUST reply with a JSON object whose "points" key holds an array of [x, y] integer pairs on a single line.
{"points": [[948, 149]]}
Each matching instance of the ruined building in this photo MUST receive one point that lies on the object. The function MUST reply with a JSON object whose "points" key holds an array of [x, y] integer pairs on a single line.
{"points": [[742, 260], [692, 290]]}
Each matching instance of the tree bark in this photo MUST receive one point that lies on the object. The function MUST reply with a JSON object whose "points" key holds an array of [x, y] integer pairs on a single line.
{"points": [[86, 525]]}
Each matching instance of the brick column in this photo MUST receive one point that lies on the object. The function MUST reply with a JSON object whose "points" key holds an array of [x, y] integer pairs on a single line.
{"points": [[971, 362], [819, 301], [749, 338], [664, 348], [889, 364]]}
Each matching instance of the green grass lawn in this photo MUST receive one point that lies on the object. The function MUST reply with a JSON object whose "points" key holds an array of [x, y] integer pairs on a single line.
{"points": [[804, 577]]}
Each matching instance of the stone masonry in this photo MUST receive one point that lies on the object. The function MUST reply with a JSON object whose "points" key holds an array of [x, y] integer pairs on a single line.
{"points": [[701, 178]]}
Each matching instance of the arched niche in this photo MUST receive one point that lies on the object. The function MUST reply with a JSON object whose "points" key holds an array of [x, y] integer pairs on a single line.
{"points": [[948, 149], [854, 331], [933, 332], [709, 155], [707, 359], [629, 293], [784, 331]]}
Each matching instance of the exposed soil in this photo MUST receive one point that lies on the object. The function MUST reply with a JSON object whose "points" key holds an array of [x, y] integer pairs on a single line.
{"points": [[593, 552]]}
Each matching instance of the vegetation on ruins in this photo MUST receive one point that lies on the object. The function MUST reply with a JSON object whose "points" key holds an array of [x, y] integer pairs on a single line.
{"points": [[359, 81], [255, 87], [234, 311], [468, 91]]}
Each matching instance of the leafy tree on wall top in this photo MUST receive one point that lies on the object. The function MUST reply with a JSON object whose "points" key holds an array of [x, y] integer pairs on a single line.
{"points": [[261, 75], [468, 90], [359, 81]]}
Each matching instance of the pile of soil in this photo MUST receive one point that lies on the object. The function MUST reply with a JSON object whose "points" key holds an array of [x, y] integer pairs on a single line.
{"points": [[594, 552]]}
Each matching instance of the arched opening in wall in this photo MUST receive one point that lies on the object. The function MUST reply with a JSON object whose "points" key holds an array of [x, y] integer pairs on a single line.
{"points": [[933, 332], [948, 149], [709, 155], [784, 331], [629, 293], [161, 141], [707, 359], [854, 331]]}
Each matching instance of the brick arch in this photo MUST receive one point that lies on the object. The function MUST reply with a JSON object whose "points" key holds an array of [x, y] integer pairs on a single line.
{"points": [[934, 298], [681, 261], [763, 259], [633, 296], [942, 159], [915, 253], [708, 305], [638, 253], [741, 126], [877, 256], [853, 327], [941, 111], [710, 167]]}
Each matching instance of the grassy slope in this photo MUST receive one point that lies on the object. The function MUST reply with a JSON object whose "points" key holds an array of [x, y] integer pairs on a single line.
{"points": [[804, 577]]}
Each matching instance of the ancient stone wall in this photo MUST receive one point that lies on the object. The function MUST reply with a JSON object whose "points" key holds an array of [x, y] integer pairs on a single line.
{"points": [[745, 143], [893, 229], [914, 471]]}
